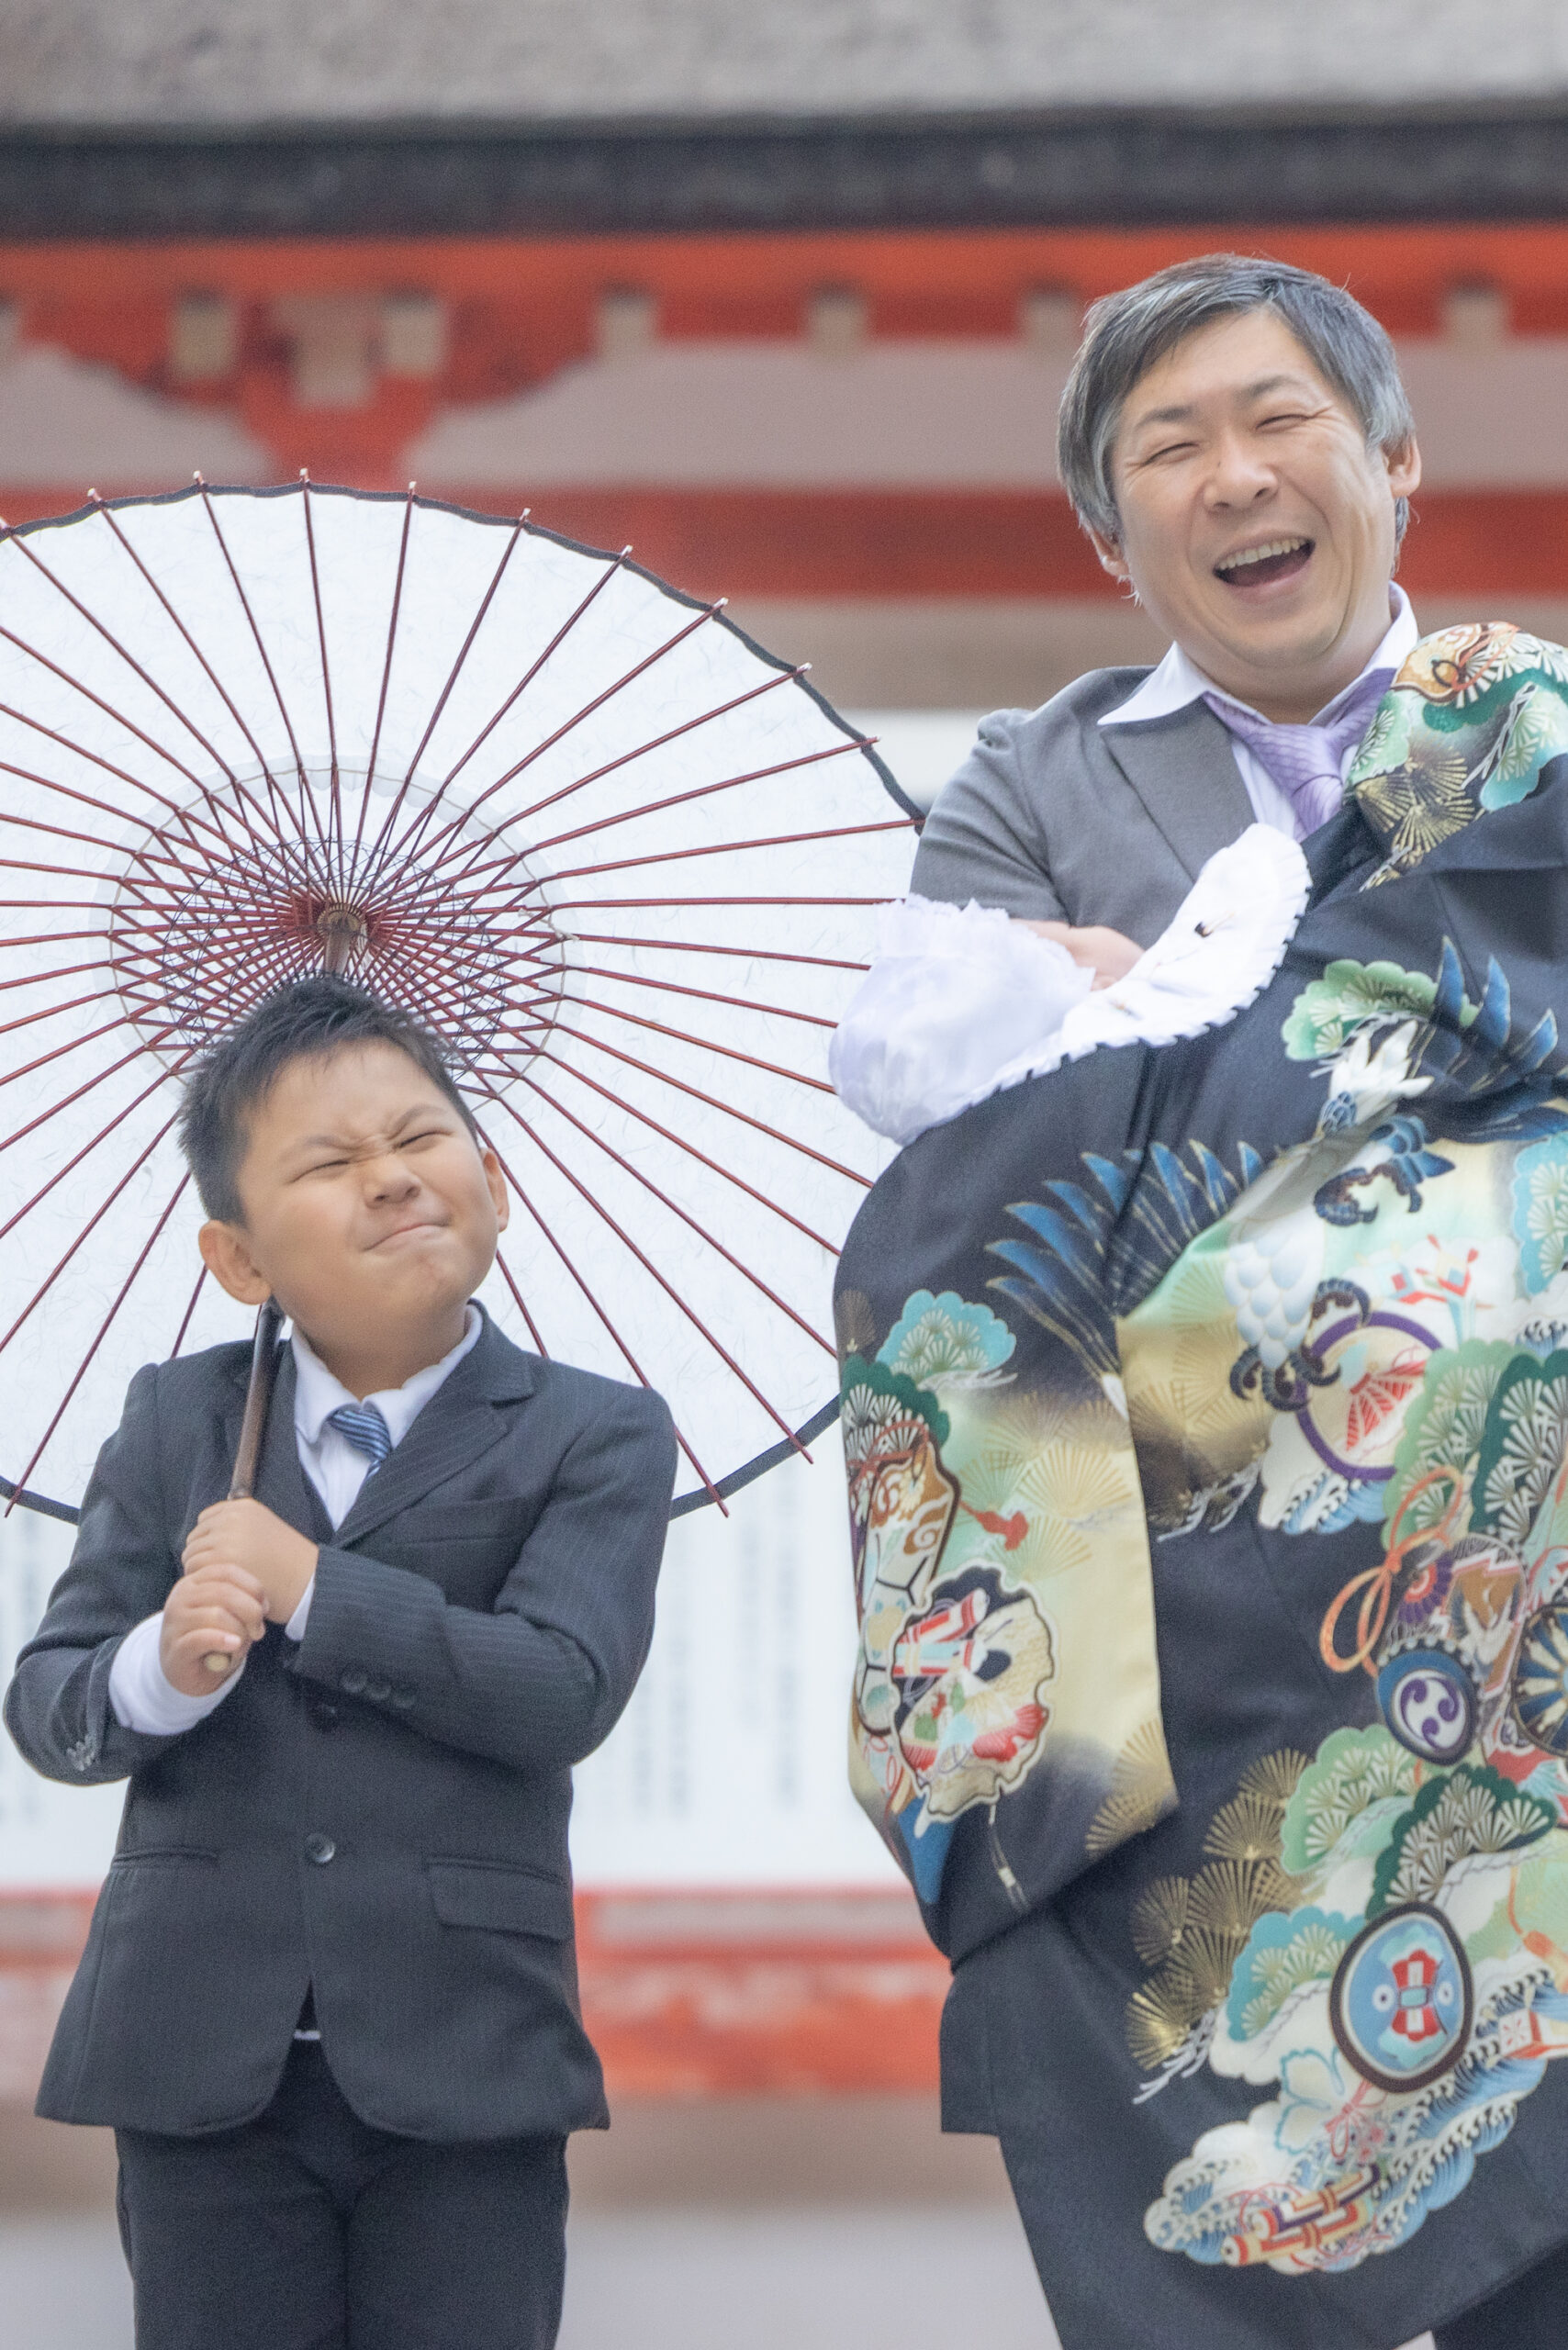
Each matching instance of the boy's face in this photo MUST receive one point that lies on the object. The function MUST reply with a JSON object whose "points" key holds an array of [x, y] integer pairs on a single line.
{"points": [[371, 1213]]}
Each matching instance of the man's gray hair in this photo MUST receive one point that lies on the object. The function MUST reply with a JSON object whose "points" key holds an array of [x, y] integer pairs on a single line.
{"points": [[1126, 333]]}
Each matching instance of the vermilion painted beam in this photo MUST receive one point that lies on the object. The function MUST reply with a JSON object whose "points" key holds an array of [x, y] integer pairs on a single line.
{"points": [[686, 1995], [918, 281]]}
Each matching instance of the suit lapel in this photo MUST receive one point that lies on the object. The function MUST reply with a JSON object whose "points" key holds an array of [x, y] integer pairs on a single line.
{"points": [[460, 1421], [281, 1483], [1185, 771]]}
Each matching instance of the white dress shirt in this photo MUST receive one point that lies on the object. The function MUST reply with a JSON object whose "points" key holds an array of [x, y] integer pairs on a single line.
{"points": [[140, 1692], [1178, 681]]}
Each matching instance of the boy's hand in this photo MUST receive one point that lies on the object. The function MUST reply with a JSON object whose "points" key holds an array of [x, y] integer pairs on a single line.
{"points": [[1104, 952], [215, 1612], [267, 1552]]}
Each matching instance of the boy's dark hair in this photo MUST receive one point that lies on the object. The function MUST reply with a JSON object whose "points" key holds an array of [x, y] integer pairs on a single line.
{"points": [[304, 1020]]}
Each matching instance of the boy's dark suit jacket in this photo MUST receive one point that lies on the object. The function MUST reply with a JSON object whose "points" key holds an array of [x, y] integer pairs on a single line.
{"points": [[380, 1812]]}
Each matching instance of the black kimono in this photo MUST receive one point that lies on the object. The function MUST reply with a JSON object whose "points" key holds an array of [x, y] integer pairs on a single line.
{"points": [[1206, 1408]]}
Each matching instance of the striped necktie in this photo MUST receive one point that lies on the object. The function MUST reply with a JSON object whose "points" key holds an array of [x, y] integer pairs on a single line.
{"points": [[366, 1429], [1304, 761]]}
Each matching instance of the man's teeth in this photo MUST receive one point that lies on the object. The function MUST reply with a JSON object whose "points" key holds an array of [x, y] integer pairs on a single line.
{"points": [[1262, 554]]}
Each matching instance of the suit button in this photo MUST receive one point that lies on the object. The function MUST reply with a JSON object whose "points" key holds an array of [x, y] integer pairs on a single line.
{"points": [[354, 1680], [402, 1696], [319, 1849], [379, 1690]]}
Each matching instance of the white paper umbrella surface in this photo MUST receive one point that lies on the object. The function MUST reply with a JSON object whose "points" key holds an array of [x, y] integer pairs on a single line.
{"points": [[621, 860]]}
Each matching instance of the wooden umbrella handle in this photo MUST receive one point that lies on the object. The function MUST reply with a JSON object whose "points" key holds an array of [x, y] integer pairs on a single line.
{"points": [[252, 1428]]}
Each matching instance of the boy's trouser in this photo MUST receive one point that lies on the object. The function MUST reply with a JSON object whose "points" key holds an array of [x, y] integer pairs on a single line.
{"points": [[308, 2230]]}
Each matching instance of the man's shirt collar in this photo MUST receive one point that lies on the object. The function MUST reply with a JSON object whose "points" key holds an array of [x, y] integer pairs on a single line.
{"points": [[1178, 681], [317, 1393]]}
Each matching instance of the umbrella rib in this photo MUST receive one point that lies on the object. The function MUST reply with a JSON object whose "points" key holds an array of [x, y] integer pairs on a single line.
{"points": [[50, 937], [560, 1251], [706, 946], [132, 664], [619, 1102], [46, 979], [53, 1011], [687, 726], [91, 1225], [703, 1044], [467, 645], [186, 816], [89, 840], [622, 905], [646, 1262], [712, 1100], [704, 995], [606, 575], [335, 815], [73, 1045], [551, 739], [260, 647], [51, 905], [185, 1323], [505, 1271], [103, 1332], [271, 961], [159, 750], [20, 1134], [529, 675], [385, 668], [70, 872], [708, 1486], [649, 807], [674, 1205], [242, 789], [87, 1150], [105, 808], [703, 848]]}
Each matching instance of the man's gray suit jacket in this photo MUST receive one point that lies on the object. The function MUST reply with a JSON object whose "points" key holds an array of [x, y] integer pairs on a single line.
{"points": [[1059, 818], [379, 1812]]}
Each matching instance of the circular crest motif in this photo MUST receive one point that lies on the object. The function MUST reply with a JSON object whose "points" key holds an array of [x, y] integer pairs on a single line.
{"points": [[1402, 1999], [1540, 1679], [1428, 1700]]}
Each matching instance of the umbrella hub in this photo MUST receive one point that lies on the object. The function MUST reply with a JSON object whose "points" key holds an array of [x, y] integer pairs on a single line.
{"points": [[342, 929]]}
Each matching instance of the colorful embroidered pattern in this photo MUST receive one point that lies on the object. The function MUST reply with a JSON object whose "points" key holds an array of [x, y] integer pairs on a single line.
{"points": [[1337, 1338]]}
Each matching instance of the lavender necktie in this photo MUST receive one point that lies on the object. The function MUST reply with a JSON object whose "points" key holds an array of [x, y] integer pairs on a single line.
{"points": [[1304, 761]]}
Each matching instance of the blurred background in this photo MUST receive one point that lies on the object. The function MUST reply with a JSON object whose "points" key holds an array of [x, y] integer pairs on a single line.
{"points": [[784, 297]]}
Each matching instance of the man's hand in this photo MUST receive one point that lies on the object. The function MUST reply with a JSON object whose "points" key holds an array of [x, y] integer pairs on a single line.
{"points": [[214, 1611], [1104, 952], [247, 1537]]}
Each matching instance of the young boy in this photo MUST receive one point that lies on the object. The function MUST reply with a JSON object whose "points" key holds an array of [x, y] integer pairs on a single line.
{"points": [[328, 2001]]}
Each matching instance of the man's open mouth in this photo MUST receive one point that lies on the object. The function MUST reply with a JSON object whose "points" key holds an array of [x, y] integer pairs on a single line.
{"points": [[1255, 566]]}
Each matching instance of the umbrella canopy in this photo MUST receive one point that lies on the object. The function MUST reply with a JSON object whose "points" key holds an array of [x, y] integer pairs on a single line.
{"points": [[622, 861]]}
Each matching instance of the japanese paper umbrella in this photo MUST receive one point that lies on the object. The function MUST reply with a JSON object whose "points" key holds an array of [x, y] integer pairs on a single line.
{"points": [[620, 860]]}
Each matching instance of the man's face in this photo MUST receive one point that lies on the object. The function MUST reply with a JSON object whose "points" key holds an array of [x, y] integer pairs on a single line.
{"points": [[371, 1213], [1257, 526]]}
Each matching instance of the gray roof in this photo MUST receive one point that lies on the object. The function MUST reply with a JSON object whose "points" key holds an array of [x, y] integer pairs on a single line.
{"points": [[233, 63]]}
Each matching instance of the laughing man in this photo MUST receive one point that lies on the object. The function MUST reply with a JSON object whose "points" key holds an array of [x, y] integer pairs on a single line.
{"points": [[1238, 446]]}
